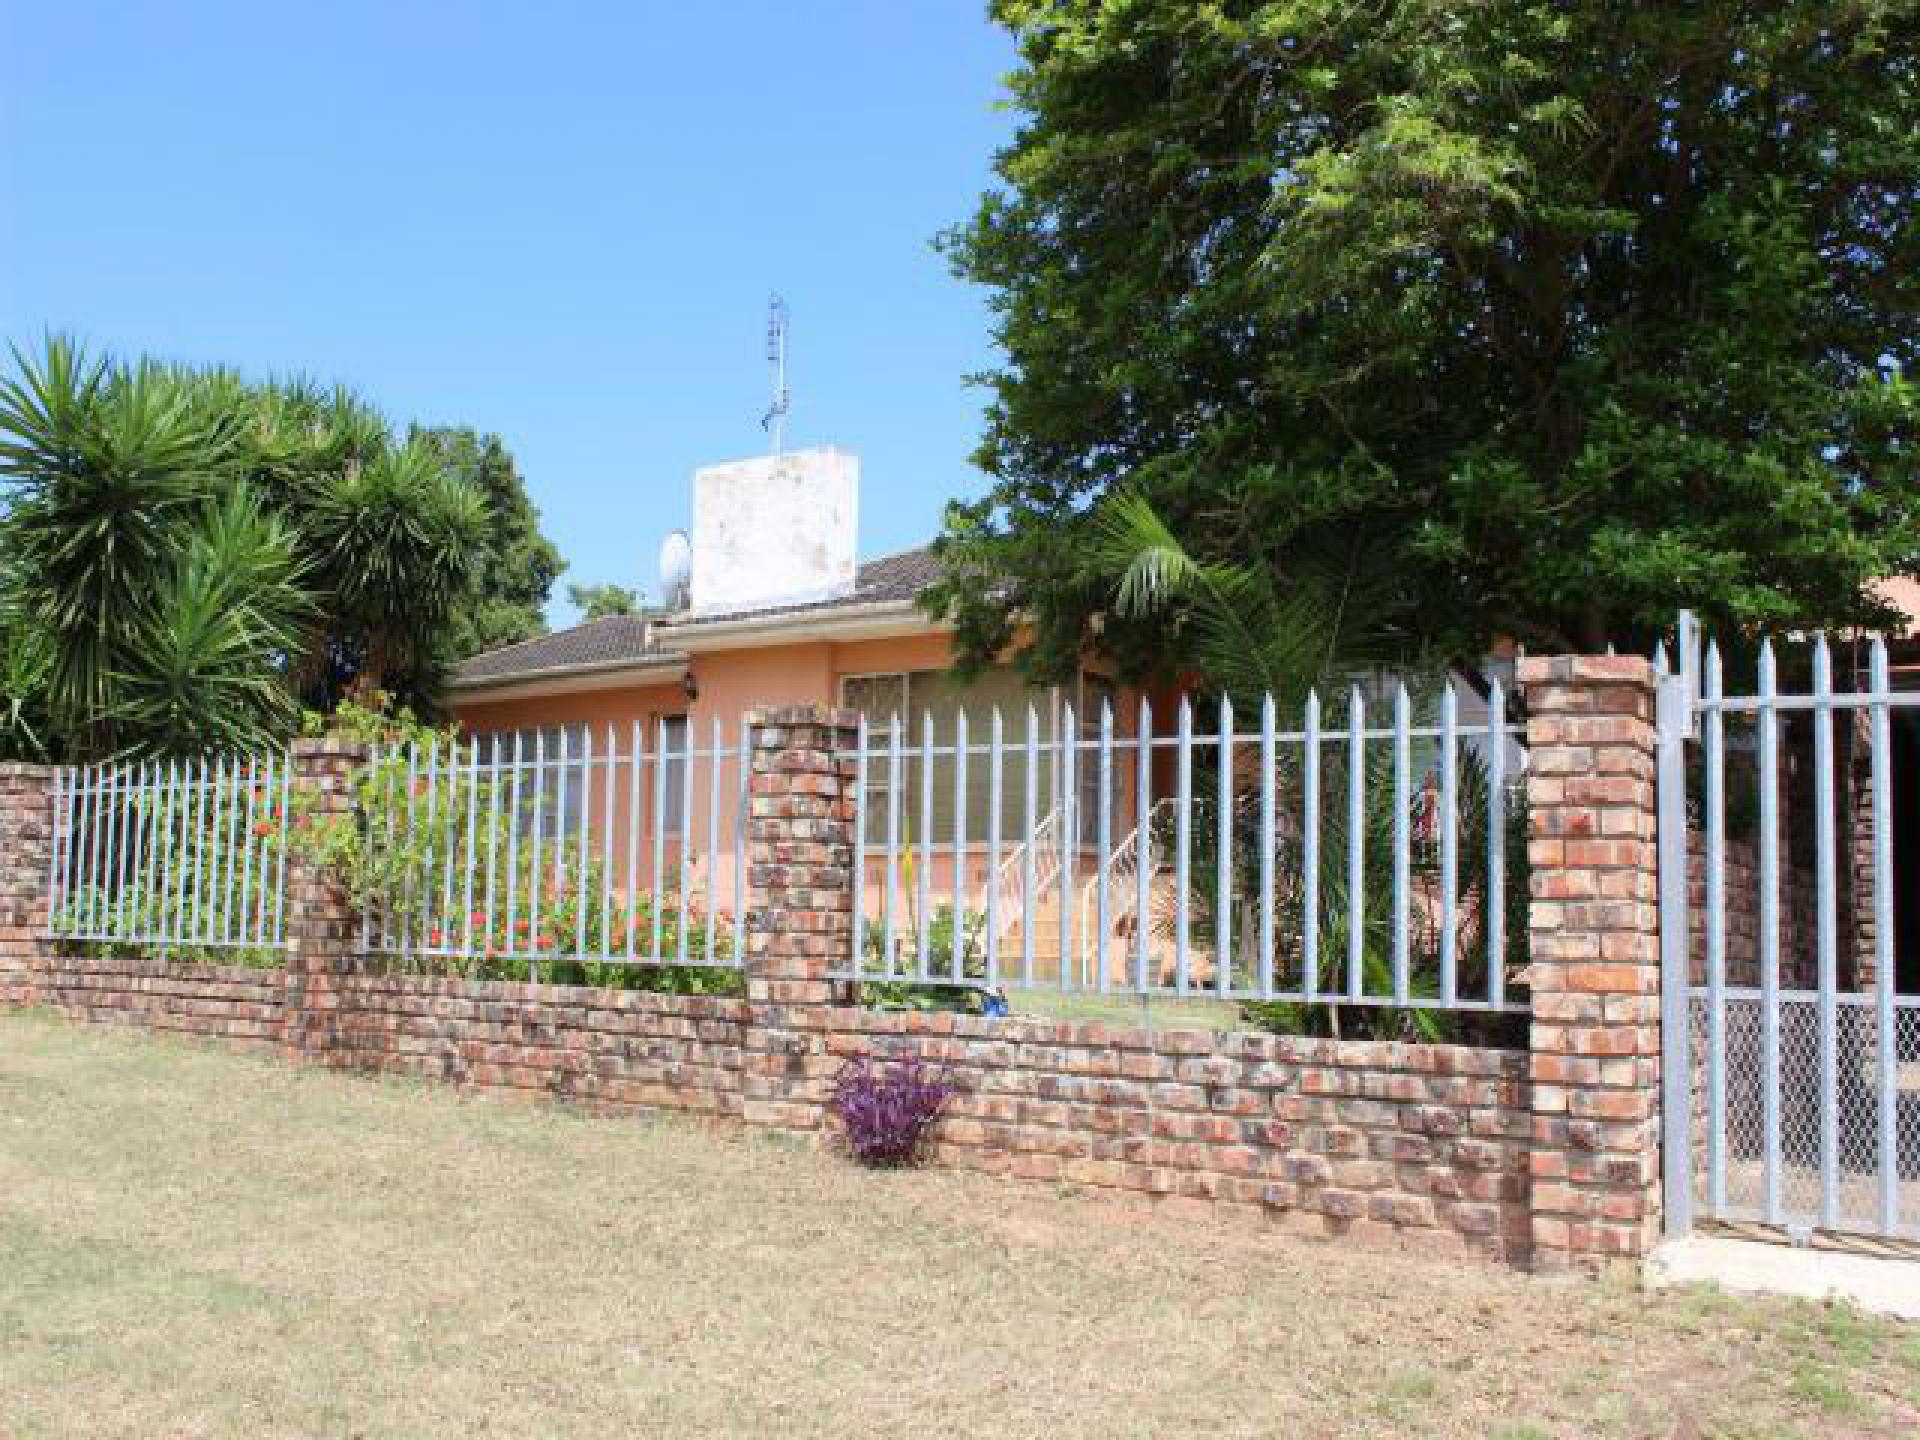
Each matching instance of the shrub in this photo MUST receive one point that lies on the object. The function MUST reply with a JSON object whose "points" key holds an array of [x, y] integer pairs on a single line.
{"points": [[888, 1108]]}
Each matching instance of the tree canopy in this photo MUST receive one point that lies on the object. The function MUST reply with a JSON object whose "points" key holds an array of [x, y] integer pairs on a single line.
{"points": [[191, 557], [600, 602], [507, 602], [1549, 317]]}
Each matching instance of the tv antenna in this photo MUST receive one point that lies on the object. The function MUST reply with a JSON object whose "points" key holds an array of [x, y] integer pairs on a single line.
{"points": [[774, 422]]}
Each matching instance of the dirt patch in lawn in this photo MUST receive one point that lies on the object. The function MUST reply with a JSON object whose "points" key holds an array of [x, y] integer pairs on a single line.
{"points": [[202, 1244]]}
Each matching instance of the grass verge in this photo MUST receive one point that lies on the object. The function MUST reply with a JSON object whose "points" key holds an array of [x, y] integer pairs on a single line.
{"points": [[206, 1244]]}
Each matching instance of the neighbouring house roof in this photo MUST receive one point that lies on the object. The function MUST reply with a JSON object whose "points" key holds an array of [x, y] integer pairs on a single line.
{"points": [[890, 583]]}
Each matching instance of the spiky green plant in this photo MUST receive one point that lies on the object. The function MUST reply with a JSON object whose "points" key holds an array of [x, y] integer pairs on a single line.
{"points": [[397, 539], [107, 469], [189, 554], [1317, 631], [215, 637]]}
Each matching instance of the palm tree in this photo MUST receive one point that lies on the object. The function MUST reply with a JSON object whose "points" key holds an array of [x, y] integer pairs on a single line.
{"points": [[1311, 634]]}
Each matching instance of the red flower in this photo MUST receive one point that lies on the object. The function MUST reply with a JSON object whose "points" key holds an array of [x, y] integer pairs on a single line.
{"points": [[437, 937], [263, 828]]}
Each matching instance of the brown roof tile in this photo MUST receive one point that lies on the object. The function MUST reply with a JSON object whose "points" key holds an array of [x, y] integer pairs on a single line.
{"points": [[626, 639]]}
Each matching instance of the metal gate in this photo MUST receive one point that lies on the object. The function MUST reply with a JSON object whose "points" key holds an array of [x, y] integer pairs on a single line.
{"points": [[1791, 1058]]}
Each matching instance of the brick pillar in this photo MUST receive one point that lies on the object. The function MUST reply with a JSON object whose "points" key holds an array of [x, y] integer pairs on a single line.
{"points": [[26, 845], [800, 887], [323, 928], [1595, 958]]}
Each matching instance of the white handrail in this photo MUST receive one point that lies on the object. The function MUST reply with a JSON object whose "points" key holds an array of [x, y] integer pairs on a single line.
{"points": [[1122, 865], [1009, 880]]}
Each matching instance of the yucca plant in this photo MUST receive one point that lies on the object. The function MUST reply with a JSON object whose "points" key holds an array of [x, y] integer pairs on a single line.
{"points": [[107, 469], [189, 553], [214, 638], [397, 539]]}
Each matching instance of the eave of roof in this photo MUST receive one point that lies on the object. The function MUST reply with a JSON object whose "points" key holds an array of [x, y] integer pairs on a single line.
{"points": [[662, 668], [851, 620]]}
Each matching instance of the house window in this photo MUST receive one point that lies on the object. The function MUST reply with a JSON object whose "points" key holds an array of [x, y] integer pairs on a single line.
{"points": [[881, 699], [914, 698], [550, 791], [672, 733]]}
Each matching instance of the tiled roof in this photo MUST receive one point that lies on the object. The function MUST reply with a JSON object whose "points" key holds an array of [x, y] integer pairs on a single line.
{"points": [[900, 576], [624, 639], [610, 641]]}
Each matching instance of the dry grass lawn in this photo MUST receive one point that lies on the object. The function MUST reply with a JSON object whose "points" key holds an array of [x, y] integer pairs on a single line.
{"points": [[194, 1243]]}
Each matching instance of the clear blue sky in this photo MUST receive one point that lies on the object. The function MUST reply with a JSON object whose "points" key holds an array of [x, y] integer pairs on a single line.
{"points": [[558, 222]]}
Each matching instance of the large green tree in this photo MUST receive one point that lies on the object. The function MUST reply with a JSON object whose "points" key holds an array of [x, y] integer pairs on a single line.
{"points": [[1554, 316], [604, 601], [508, 599]]}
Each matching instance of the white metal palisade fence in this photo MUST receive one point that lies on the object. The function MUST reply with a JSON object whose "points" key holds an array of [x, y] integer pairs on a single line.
{"points": [[1319, 862], [1792, 1090], [536, 854], [175, 854]]}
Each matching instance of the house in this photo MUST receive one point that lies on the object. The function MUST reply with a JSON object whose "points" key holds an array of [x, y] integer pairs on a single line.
{"points": [[779, 610]]}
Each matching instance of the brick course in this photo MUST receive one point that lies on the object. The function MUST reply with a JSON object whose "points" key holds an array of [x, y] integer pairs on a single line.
{"points": [[1367, 1140]]}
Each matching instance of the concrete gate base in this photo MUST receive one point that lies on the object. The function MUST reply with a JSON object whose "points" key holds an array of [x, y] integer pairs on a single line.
{"points": [[1882, 1284]]}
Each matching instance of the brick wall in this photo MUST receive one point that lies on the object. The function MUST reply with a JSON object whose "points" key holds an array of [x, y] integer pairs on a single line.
{"points": [[1547, 1155], [615, 1049], [1798, 962], [1370, 1140], [243, 1006]]}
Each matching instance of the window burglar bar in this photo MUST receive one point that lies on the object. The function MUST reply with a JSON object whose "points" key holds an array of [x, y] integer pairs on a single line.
{"points": [[613, 846], [175, 854], [1201, 859]]}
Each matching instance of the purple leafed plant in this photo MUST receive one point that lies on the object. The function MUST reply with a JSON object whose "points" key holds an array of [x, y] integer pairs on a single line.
{"points": [[888, 1108]]}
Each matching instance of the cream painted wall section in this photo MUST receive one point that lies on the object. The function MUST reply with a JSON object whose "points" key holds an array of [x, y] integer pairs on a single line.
{"points": [[775, 530]]}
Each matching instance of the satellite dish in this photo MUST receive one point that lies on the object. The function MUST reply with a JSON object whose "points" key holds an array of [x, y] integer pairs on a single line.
{"points": [[676, 570]]}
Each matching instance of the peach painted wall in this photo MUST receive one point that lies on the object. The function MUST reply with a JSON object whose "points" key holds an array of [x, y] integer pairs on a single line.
{"points": [[729, 683]]}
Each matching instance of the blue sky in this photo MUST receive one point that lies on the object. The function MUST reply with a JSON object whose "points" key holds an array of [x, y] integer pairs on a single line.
{"points": [[559, 222]]}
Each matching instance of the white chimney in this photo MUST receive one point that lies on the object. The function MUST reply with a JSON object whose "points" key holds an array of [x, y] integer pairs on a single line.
{"points": [[776, 530]]}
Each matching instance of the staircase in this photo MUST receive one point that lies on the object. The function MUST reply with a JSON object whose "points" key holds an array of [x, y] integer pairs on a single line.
{"points": [[1122, 920]]}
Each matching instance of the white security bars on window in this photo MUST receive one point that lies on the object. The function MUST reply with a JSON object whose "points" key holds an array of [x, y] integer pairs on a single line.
{"points": [[172, 855], [546, 853], [1333, 862]]}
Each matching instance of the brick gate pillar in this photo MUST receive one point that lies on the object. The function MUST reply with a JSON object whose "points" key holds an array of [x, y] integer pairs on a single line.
{"points": [[1594, 971], [323, 928], [26, 849], [800, 887]]}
